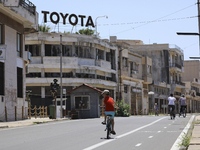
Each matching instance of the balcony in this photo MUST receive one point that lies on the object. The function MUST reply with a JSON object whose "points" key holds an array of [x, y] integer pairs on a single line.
{"points": [[172, 65], [178, 83], [103, 64], [175, 47]]}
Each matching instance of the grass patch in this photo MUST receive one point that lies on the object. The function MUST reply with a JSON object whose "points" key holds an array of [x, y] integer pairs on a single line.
{"points": [[186, 140]]}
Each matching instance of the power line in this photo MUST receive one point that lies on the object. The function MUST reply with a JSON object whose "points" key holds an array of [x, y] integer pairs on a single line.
{"points": [[155, 19]]}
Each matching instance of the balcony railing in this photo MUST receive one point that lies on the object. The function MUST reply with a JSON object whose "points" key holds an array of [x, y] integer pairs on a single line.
{"points": [[173, 46], [175, 65], [26, 4], [178, 82]]}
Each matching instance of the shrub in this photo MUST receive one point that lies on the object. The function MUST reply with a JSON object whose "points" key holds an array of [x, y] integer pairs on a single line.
{"points": [[124, 109]]}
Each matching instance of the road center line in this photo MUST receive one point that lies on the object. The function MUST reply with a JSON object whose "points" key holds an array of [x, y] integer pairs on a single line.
{"points": [[165, 127], [138, 144], [123, 135], [150, 137], [159, 131]]}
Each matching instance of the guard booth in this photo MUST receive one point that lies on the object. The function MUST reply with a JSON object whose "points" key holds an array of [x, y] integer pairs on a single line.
{"points": [[85, 100]]}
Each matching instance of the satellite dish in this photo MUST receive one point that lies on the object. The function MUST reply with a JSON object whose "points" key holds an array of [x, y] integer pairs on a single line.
{"points": [[11, 3]]}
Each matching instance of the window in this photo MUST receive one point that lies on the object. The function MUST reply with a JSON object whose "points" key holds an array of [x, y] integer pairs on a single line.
{"points": [[148, 69], [125, 62], [100, 77], [50, 75], [134, 66], [67, 50], [33, 49], [125, 88], [2, 78], [82, 102], [84, 75], [33, 75], [19, 82], [19, 53], [100, 54], [1, 42]]}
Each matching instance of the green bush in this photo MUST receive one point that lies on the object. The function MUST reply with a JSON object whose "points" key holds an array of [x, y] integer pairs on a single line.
{"points": [[124, 109]]}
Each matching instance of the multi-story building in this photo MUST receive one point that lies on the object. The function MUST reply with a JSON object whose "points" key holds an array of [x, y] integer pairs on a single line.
{"points": [[167, 69], [134, 77], [15, 22], [191, 77], [86, 59]]}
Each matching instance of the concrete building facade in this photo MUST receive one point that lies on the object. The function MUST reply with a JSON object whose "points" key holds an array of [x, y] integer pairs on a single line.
{"points": [[15, 22], [86, 59], [191, 78], [135, 75], [167, 69]]}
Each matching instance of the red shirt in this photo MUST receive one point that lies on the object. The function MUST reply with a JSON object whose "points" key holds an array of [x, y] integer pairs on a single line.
{"points": [[108, 101]]}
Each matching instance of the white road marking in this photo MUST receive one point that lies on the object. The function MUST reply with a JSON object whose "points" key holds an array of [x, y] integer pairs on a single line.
{"points": [[159, 131], [150, 137], [139, 144], [165, 127], [169, 124], [123, 135], [179, 139]]}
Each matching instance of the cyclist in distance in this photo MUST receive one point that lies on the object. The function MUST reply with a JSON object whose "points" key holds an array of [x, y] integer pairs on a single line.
{"points": [[109, 108], [171, 103], [183, 102], [156, 108]]}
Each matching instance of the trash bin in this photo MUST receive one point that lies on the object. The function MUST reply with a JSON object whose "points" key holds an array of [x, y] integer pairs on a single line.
{"points": [[52, 111]]}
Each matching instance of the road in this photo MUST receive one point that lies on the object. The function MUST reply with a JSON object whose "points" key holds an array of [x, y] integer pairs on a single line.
{"points": [[133, 133]]}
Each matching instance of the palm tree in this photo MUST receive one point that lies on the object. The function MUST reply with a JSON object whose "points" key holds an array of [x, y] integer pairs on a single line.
{"points": [[86, 31], [44, 28]]}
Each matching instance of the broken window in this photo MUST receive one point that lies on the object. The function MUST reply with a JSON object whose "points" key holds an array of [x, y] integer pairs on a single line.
{"points": [[33, 49], [125, 88], [82, 102], [33, 75], [100, 54], [67, 50]]}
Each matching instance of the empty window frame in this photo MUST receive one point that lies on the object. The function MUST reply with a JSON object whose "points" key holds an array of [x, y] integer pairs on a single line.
{"points": [[82, 102], [19, 82]]}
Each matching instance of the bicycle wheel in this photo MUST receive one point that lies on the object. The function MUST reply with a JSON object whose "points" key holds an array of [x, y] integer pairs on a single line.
{"points": [[108, 129], [184, 113]]}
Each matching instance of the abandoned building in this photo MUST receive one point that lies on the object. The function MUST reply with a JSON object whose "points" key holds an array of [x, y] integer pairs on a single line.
{"points": [[192, 84], [86, 59], [15, 22], [167, 69]]}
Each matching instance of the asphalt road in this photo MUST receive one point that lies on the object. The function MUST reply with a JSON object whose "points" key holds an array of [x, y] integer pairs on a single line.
{"points": [[141, 133]]}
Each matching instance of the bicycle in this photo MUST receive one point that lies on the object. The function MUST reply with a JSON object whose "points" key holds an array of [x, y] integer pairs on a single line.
{"points": [[108, 126], [183, 112], [172, 115], [156, 112]]}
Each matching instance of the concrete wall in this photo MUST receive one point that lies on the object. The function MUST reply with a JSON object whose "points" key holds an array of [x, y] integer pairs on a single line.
{"points": [[191, 70]]}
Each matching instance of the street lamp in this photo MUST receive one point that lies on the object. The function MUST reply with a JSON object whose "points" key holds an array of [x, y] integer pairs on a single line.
{"points": [[96, 21]]}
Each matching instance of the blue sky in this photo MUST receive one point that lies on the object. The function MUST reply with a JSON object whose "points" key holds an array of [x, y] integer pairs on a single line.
{"points": [[127, 13]]}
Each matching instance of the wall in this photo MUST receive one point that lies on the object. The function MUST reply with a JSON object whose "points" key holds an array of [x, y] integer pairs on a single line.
{"points": [[191, 67]]}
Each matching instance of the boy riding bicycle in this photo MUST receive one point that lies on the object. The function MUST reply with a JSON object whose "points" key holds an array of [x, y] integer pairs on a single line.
{"points": [[109, 108]]}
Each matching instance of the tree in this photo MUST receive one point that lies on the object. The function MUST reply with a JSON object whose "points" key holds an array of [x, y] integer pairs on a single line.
{"points": [[86, 31], [44, 28]]}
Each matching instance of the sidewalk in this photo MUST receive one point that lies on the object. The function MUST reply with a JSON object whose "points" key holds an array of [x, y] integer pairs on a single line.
{"points": [[195, 140], [28, 122]]}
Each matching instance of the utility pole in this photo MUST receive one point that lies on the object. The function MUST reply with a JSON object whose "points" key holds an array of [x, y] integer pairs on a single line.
{"points": [[61, 90]]}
